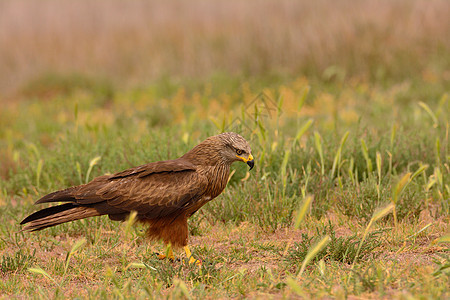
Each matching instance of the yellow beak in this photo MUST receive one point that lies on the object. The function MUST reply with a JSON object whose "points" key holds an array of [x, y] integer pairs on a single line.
{"points": [[250, 157], [249, 161]]}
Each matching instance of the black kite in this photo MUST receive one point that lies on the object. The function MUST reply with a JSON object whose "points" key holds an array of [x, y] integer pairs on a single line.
{"points": [[164, 194]]}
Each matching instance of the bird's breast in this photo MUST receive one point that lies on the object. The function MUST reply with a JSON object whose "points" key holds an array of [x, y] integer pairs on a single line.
{"points": [[218, 179]]}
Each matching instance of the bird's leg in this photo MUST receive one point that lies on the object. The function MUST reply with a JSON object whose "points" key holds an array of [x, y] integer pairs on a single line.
{"points": [[190, 257], [169, 253]]}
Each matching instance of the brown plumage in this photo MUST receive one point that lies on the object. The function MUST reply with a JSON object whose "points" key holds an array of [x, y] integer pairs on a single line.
{"points": [[164, 194]]}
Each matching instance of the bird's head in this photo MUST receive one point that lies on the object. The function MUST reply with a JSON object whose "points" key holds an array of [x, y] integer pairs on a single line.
{"points": [[235, 148], [224, 148]]}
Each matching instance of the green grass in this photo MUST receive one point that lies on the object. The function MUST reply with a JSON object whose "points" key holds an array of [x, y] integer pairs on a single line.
{"points": [[341, 249], [346, 111], [353, 150]]}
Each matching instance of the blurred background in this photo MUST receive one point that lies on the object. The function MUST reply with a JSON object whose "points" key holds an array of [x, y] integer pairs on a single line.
{"points": [[129, 44], [346, 101]]}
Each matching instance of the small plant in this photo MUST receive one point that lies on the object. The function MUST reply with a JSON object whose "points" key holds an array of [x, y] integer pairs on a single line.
{"points": [[444, 262], [17, 262], [166, 271], [370, 278], [361, 202], [443, 265], [341, 249]]}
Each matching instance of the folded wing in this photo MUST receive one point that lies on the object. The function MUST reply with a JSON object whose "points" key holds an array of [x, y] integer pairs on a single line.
{"points": [[153, 190]]}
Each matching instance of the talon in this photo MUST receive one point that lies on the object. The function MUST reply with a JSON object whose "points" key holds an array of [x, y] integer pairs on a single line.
{"points": [[169, 254], [171, 259], [191, 258]]}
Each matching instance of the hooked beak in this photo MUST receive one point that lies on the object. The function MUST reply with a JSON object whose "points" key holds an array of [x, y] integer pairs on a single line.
{"points": [[249, 161], [251, 164]]}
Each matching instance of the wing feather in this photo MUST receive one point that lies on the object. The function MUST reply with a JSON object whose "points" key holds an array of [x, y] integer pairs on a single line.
{"points": [[156, 167], [153, 190]]}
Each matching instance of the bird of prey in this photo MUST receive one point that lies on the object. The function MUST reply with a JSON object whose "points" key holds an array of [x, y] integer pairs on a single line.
{"points": [[163, 194]]}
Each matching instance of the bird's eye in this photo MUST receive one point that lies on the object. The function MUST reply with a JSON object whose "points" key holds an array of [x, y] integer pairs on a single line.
{"points": [[239, 152]]}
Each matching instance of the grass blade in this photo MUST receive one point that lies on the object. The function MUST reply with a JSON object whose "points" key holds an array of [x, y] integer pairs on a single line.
{"points": [[351, 174], [378, 161], [337, 158], [78, 244], [306, 174], [39, 171], [303, 97], [78, 167], [318, 143], [400, 187], [398, 190], [430, 113], [418, 232], [284, 168], [419, 171], [312, 252], [365, 152], [393, 133], [38, 270], [136, 265], [92, 163], [302, 130], [438, 152], [295, 287], [378, 214], [302, 211], [130, 221]]}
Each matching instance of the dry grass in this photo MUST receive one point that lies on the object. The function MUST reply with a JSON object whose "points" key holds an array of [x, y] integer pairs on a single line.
{"points": [[144, 40]]}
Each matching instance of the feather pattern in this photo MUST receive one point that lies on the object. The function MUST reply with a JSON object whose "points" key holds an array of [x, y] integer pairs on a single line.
{"points": [[164, 194]]}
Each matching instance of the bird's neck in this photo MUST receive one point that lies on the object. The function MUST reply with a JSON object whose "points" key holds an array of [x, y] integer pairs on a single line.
{"points": [[205, 154], [210, 163]]}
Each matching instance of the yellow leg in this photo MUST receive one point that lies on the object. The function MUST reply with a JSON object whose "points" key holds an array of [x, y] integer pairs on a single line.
{"points": [[190, 257], [169, 253]]}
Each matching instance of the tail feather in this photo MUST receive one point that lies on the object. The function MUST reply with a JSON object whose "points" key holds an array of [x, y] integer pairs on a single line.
{"points": [[58, 196], [56, 215], [46, 212]]}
